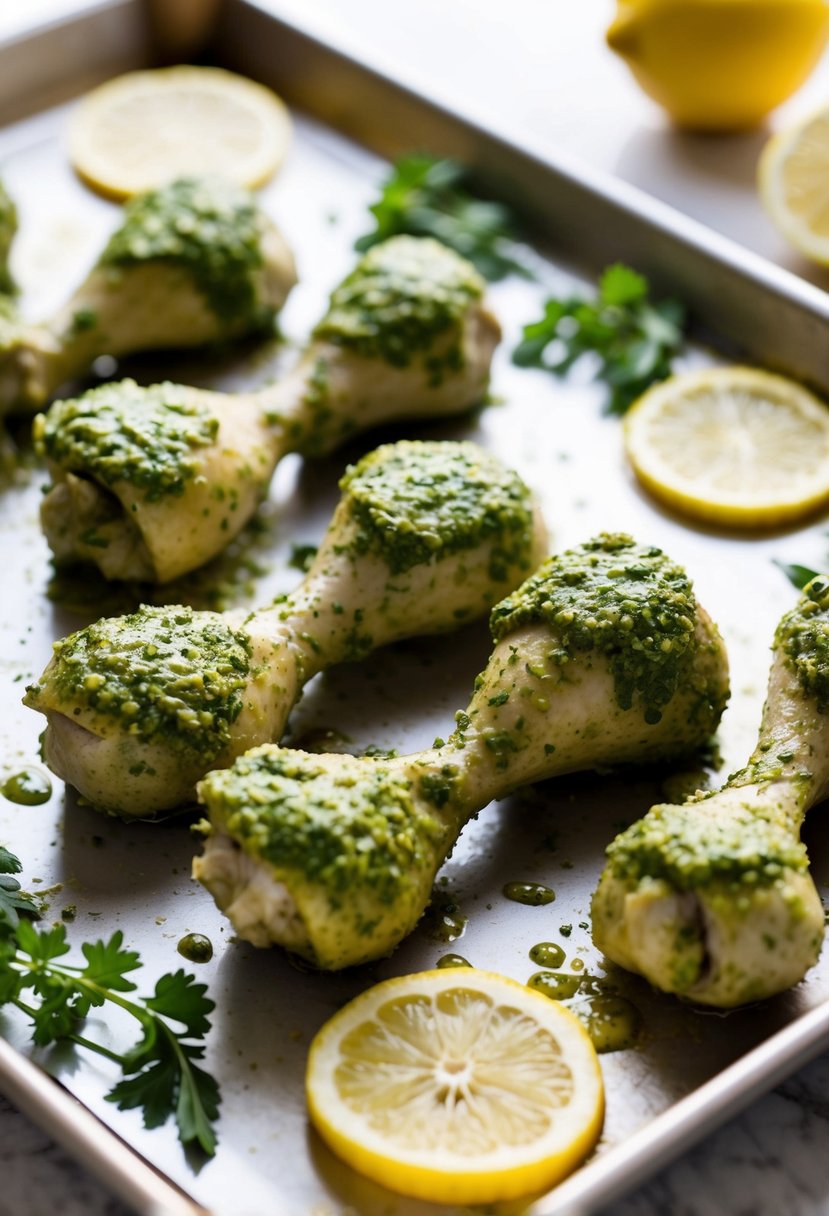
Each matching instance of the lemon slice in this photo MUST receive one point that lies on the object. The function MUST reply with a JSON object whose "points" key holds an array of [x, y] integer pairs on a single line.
{"points": [[458, 1089], [141, 130], [793, 176], [733, 446]]}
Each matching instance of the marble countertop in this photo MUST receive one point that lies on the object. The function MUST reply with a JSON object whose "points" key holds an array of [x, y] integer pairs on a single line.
{"points": [[553, 78]]}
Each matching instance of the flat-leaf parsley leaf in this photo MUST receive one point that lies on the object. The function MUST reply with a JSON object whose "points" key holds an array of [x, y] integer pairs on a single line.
{"points": [[160, 1074], [633, 339], [427, 196]]}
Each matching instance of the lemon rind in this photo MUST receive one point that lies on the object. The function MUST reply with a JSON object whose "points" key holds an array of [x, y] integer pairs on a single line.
{"points": [[96, 168], [747, 511], [448, 1177]]}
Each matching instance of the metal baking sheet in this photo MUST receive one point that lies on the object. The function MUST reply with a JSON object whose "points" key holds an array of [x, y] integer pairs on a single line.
{"points": [[689, 1069]]}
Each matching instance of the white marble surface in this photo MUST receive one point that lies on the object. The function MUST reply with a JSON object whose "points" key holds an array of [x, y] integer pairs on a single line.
{"points": [[542, 67]]}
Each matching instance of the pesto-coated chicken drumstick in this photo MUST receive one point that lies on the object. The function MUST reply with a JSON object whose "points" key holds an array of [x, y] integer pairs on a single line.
{"points": [[425, 537], [195, 262], [602, 657], [713, 900], [149, 483], [8, 228]]}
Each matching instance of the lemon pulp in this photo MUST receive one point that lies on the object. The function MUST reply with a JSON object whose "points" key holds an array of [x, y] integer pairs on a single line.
{"points": [[732, 446], [458, 1090], [793, 176], [143, 129]]}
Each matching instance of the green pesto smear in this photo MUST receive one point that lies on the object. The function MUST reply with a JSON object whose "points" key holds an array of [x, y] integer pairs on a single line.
{"points": [[803, 635], [8, 228], [347, 828], [629, 602], [160, 672], [29, 787], [612, 1022], [417, 502], [121, 432], [691, 850], [401, 297], [534, 894], [208, 227]]}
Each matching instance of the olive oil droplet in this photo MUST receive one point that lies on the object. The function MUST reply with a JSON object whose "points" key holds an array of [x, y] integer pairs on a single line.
{"points": [[557, 985], [532, 893], [196, 947], [548, 954], [452, 960], [29, 787], [444, 921]]}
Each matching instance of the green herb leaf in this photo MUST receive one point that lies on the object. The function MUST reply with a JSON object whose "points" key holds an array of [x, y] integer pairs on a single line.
{"points": [[179, 996], [799, 576], [302, 557], [12, 902], [153, 1092], [198, 1109], [621, 285], [42, 945], [427, 196], [632, 339], [107, 963], [9, 864], [160, 1075]]}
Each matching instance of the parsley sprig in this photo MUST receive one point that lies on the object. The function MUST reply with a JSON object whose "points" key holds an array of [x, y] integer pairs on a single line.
{"points": [[798, 576], [633, 339], [160, 1074], [427, 196]]}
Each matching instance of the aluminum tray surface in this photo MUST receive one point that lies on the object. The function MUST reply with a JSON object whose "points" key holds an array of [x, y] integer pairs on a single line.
{"points": [[136, 877]]}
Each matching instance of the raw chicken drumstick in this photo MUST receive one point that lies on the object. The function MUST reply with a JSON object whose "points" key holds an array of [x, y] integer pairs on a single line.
{"points": [[713, 900], [602, 657], [149, 483], [425, 537], [193, 263]]}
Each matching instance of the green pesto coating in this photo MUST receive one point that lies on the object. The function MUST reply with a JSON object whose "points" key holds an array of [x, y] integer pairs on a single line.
{"points": [[442, 787], [629, 602], [691, 850], [418, 501], [400, 297], [8, 228], [803, 635], [207, 226], [342, 830], [168, 672], [148, 437]]}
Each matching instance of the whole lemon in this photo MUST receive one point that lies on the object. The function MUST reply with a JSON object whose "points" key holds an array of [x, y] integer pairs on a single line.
{"points": [[720, 64]]}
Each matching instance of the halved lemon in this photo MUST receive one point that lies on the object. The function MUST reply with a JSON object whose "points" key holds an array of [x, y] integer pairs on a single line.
{"points": [[793, 176], [141, 130], [456, 1088], [733, 446]]}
